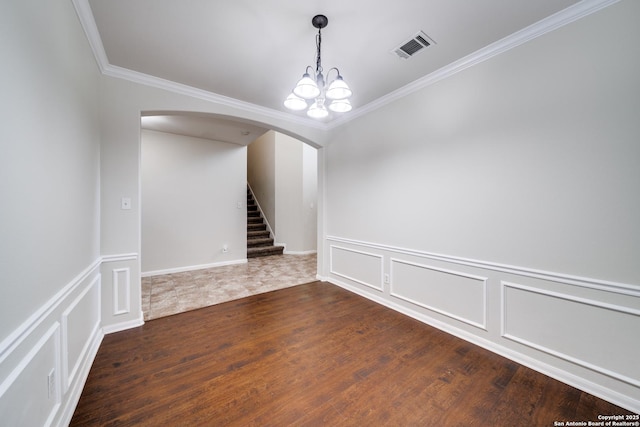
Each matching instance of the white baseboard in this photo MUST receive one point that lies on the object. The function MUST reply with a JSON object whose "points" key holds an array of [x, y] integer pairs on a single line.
{"points": [[110, 329], [192, 268], [299, 252]]}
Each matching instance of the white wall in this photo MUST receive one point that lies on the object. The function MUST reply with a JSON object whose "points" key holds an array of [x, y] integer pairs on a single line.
{"points": [[502, 204], [49, 211], [193, 203], [296, 181], [309, 198]]}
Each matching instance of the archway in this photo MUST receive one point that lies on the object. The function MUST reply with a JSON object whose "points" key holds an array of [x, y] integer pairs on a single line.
{"points": [[192, 171]]}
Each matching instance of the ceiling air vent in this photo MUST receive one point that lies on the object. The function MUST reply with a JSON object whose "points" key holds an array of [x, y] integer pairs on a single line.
{"points": [[412, 46]]}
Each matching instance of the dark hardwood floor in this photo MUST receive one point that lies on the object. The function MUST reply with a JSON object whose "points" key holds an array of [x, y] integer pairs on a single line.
{"points": [[314, 354]]}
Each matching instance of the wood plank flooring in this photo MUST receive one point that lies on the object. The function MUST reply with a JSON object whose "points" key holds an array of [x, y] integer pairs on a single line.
{"points": [[314, 354]]}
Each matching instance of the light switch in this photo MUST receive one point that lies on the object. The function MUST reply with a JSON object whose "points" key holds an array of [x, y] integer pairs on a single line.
{"points": [[125, 203]]}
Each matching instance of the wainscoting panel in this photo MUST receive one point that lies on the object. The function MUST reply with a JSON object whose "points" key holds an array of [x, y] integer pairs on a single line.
{"points": [[80, 322], [432, 288], [45, 362], [358, 266], [598, 336], [27, 397], [121, 291], [121, 297], [579, 330]]}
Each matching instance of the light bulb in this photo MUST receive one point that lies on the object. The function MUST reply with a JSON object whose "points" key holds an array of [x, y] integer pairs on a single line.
{"points": [[340, 106], [338, 89], [306, 87], [318, 110], [294, 102]]}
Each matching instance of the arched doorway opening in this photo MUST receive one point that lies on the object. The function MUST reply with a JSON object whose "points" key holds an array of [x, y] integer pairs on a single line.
{"points": [[195, 169]]}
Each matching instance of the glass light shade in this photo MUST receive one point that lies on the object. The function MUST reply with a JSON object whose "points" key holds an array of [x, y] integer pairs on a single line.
{"points": [[338, 89], [340, 106], [306, 87], [318, 110], [294, 102]]}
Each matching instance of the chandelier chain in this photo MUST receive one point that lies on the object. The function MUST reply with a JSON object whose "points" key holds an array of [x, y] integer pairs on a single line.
{"points": [[319, 52]]}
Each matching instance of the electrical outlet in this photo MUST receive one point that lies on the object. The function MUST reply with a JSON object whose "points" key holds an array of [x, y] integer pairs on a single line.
{"points": [[225, 249], [386, 278], [125, 203], [51, 384]]}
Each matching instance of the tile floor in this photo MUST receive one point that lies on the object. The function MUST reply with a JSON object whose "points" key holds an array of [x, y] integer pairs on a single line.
{"points": [[175, 293]]}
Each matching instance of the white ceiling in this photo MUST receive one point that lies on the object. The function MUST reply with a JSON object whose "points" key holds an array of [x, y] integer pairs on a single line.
{"points": [[255, 51]]}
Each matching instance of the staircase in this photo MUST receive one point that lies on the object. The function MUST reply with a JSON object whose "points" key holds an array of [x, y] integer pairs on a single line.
{"points": [[259, 240]]}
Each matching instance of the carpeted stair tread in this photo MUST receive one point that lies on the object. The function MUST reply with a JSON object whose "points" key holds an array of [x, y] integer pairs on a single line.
{"points": [[265, 241], [264, 251], [257, 234]]}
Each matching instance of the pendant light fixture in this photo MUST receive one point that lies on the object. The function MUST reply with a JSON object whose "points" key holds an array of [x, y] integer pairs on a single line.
{"points": [[311, 87]]}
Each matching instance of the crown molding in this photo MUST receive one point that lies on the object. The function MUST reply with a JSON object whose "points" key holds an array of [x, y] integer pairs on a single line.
{"points": [[544, 26], [85, 15], [179, 88]]}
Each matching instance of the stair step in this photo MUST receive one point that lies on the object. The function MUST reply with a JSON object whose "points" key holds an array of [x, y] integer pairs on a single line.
{"points": [[264, 251], [256, 227], [254, 220], [264, 241], [253, 213], [258, 234], [252, 208]]}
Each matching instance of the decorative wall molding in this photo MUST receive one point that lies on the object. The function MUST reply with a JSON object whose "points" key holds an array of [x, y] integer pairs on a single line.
{"points": [[73, 394], [575, 360], [585, 282], [594, 376], [121, 283], [483, 283], [28, 326], [120, 295], [334, 271], [120, 257], [61, 339], [69, 373], [25, 366], [192, 268]]}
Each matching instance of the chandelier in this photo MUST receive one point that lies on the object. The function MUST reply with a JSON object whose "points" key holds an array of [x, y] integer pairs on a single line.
{"points": [[313, 91]]}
